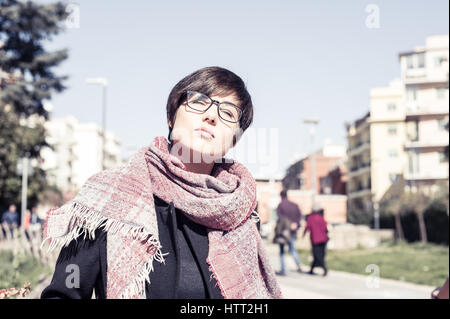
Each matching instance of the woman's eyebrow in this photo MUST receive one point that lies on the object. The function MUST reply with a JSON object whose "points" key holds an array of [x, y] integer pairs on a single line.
{"points": [[223, 101]]}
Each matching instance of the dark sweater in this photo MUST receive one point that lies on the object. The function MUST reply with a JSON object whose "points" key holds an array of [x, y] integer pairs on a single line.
{"points": [[185, 273], [289, 210]]}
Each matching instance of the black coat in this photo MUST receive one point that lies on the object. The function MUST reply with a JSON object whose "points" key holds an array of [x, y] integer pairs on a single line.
{"points": [[185, 273]]}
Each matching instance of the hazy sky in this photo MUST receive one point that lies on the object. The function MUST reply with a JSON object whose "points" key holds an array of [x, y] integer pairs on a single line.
{"points": [[299, 59]]}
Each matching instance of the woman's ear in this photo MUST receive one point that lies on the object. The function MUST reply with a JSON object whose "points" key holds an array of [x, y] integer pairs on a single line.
{"points": [[171, 122]]}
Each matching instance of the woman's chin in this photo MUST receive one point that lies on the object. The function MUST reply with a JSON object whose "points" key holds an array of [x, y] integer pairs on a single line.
{"points": [[201, 150], [205, 154]]}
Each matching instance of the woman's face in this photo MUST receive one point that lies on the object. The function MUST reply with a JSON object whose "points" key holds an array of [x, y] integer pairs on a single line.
{"points": [[198, 146]]}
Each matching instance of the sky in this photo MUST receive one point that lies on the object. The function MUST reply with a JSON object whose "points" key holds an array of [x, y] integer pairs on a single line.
{"points": [[299, 60]]}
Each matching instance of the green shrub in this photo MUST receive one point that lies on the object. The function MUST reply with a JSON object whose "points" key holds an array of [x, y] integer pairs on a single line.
{"points": [[436, 222], [360, 217], [16, 270]]}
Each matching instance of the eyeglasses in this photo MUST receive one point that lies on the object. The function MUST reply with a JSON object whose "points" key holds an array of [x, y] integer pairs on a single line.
{"points": [[200, 102]]}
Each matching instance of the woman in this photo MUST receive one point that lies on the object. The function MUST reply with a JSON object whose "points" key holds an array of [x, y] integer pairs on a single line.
{"points": [[176, 220]]}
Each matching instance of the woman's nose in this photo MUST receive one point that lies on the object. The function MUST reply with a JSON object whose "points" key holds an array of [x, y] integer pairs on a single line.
{"points": [[211, 113]]}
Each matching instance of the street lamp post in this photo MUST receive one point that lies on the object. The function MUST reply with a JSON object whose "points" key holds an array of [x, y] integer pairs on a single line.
{"points": [[313, 123], [24, 168], [376, 215], [104, 83]]}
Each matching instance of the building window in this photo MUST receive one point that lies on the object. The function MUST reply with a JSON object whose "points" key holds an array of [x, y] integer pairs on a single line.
{"points": [[442, 123], [410, 163], [413, 131], [409, 62], [421, 60], [392, 129], [411, 94], [415, 61], [443, 157], [392, 107], [393, 153], [438, 60], [413, 162], [440, 93]]}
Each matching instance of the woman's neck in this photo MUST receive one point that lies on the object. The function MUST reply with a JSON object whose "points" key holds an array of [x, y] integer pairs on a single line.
{"points": [[199, 168]]}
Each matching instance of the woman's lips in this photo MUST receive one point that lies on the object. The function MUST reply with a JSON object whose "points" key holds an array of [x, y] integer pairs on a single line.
{"points": [[205, 133]]}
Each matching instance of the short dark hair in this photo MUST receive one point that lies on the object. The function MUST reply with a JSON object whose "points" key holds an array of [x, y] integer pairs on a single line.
{"points": [[283, 193], [212, 80]]}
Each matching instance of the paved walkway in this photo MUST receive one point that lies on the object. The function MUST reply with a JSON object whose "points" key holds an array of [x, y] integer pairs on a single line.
{"points": [[341, 285], [336, 285]]}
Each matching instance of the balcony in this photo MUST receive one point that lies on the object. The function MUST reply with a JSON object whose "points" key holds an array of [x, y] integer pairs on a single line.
{"points": [[426, 175], [428, 143], [414, 110], [423, 75], [359, 169], [359, 148], [438, 139], [360, 192]]}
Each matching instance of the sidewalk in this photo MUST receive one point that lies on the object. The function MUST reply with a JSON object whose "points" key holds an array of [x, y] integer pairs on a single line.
{"points": [[341, 285], [336, 285]]}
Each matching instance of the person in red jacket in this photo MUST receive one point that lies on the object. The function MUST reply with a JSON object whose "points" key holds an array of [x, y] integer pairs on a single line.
{"points": [[317, 227]]}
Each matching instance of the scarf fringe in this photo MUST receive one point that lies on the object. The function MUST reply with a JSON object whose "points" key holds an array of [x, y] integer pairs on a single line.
{"points": [[86, 221], [213, 274], [136, 289]]}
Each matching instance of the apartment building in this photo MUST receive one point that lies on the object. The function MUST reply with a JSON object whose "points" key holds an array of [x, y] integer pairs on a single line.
{"points": [[358, 164], [77, 152], [405, 133], [424, 73]]}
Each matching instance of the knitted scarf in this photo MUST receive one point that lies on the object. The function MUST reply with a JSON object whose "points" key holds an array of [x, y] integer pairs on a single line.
{"points": [[120, 201]]}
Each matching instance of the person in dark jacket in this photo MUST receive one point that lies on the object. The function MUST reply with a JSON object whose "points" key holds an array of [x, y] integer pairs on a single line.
{"points": [[184, 275], [11, 218], [289, 217], [178, 220], [317, 227]]}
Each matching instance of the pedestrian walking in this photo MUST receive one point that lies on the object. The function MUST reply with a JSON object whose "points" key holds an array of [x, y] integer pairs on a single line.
{"points": [[26, 224], [178, 220], [288, 223], [27, 219], [35, 219], [317, 227], [11, 218]]}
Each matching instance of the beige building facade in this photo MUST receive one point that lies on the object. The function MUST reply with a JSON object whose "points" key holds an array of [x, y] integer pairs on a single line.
{"points": [[425, 76], [405, 133], [77, 153], [359, 182]]}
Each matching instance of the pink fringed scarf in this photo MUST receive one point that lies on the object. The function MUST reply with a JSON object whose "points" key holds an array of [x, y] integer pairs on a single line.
{"points": [[120, 201]]}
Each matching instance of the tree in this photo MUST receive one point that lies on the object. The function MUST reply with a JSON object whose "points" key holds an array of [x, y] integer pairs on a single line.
{"points": [[417, 202], [392, 203], [27, 81]]}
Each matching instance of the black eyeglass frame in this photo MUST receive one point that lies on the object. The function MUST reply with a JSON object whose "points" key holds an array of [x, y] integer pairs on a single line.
{"points": [[214, 102]]}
